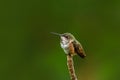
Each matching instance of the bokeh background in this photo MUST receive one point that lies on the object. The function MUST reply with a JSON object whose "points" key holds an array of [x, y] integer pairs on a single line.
{"points": [[29, 52]]}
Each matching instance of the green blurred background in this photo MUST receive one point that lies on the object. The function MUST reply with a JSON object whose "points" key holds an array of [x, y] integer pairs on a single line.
{"points": [[30, 52]]}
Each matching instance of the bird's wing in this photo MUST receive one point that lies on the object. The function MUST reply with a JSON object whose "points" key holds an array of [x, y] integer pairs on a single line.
{"points": [[78, 49]]}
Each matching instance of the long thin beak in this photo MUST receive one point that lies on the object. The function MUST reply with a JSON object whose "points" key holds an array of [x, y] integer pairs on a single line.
{"points": [[56, 33]]}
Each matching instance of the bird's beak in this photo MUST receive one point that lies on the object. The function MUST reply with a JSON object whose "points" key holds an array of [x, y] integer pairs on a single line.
{"points": [[56, 33]]}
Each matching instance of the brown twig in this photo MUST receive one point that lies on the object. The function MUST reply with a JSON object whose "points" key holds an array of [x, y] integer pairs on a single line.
{"points": [[70, 65]]}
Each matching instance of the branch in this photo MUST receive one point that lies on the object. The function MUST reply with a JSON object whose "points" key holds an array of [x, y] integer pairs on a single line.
{"points": [[70, 65]]}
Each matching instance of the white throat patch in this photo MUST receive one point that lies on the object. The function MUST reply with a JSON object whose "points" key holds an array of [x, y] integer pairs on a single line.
{"points": [[65, 44], [64, 40]]}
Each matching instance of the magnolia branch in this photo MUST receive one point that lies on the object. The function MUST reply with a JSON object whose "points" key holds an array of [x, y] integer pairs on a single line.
{"points": [[70, 65]]}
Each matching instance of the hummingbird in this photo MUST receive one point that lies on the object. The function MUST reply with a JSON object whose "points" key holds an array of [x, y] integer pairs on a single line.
{"points": [[70, 45]]}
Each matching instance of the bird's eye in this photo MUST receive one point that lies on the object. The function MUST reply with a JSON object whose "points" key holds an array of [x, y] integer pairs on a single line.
{"points": [[66, 37]]}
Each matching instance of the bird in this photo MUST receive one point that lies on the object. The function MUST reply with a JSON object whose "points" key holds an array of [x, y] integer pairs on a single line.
{"points": [[70, 45]]}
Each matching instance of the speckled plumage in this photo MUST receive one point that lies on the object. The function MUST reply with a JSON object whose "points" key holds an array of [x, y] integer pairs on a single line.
{"points": [[71, 46]]}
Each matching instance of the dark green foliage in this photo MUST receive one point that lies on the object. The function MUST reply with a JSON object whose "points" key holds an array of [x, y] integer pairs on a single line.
{"points": [[29, 52]]}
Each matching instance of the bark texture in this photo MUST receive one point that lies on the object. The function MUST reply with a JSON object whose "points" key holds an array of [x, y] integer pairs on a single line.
{"points": [[70, 65]]}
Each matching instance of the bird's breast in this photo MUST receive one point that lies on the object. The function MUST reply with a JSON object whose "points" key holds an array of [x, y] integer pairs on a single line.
{"points": [[65, 47]]}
